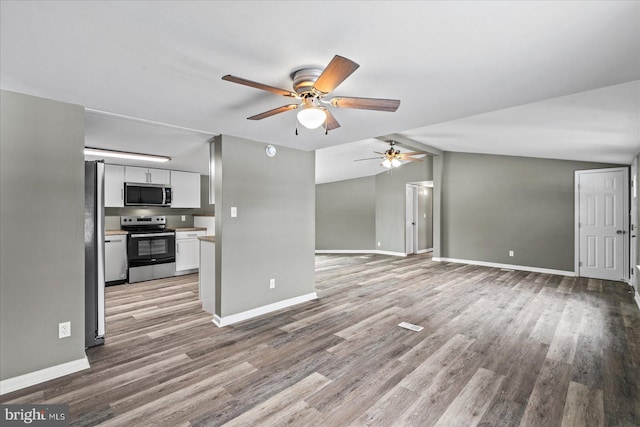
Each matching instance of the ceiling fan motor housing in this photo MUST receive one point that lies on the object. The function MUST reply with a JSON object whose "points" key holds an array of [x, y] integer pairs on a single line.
{"points": [[303, 81]]}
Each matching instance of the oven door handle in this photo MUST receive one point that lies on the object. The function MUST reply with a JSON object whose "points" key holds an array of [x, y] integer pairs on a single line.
{"points": [[139, 236]]}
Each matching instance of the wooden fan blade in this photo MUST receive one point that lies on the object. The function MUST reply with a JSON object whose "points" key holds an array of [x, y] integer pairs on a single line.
{"points": [[273, 112], [257, 85], [335, 73], [413, 153], [369, 158], [411, 159], [366, 103], [332, 123]]}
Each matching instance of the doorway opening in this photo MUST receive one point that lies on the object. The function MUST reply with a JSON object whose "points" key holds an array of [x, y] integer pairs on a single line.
{"points": [[419, 217]]}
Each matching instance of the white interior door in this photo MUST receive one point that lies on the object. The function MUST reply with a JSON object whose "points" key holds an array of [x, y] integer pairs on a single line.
{"points": [[602, 210]]}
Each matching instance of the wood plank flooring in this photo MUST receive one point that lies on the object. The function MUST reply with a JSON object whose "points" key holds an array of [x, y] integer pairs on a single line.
{"points": [[499, 348]]}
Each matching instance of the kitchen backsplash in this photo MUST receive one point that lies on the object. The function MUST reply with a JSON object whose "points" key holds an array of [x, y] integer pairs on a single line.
{"points": [[174, 216], [112, 222]]}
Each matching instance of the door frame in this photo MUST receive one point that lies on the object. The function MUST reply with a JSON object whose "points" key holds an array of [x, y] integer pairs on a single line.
{"points": [[625, 222], [633, 224], [413, 209]]}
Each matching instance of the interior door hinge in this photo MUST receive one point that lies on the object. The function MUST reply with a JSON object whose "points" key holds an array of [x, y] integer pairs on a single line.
{"points": [[579, 263]]}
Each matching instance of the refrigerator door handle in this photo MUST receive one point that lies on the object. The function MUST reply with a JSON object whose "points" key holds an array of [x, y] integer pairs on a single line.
{"points": [[100, 241]]}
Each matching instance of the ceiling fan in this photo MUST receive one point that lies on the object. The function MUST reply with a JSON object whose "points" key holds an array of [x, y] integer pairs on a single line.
{"points": [[311, 86], [392, 156]]}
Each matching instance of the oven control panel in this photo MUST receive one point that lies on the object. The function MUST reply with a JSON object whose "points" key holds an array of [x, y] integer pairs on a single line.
{"points": [[143, 220]]}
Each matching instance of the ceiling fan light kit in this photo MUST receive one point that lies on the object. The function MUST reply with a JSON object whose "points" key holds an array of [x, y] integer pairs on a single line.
{"points": [[310, 116], [311, 86], [393, 163]]}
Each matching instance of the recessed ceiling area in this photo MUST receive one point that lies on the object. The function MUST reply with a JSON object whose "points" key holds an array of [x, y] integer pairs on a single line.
{"points": [[188, 149], [545, 79]]}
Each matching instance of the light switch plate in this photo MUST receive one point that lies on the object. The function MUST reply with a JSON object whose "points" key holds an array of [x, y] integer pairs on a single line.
{"points": [[234, 212]]}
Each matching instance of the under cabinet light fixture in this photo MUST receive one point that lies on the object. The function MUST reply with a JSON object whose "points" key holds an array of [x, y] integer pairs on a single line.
{"points": [[88, 151]]}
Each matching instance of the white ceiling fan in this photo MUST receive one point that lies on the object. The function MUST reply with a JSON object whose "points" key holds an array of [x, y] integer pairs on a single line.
{"points": [[392, 157]]}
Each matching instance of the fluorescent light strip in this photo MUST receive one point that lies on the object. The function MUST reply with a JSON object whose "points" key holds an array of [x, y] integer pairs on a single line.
{"points": [[88, 151]]}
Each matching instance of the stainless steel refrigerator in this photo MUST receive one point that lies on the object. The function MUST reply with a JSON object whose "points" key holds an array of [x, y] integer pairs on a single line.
{"points": [[94, 252]]}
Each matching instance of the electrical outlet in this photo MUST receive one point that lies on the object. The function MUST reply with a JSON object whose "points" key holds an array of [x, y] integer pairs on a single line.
{"points": [[64, 329], [272, 283], [510, 253], [378, 244], [184, 218]]}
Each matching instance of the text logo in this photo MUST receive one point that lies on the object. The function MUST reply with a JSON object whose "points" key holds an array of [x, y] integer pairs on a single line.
{"points": [[35, 415]]}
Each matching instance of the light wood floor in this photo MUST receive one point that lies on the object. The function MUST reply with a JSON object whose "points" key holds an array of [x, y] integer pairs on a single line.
{"points": [[499, 348]]}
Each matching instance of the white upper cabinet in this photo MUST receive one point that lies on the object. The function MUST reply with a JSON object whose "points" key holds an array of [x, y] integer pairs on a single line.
{"points": [[135, 174], [159, 176], [185, 189], [147, 175], [113, 186]]}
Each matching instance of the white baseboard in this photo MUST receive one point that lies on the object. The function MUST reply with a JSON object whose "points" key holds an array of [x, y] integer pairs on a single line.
{"points": [[345, 251], [32, 378], [424, 251], [390, 253], [358, 251], [250, 314], [509, 266], [637, 298]]}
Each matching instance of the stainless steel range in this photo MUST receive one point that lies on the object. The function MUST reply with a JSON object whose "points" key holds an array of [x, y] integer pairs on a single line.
{"points": [[151, 247]]}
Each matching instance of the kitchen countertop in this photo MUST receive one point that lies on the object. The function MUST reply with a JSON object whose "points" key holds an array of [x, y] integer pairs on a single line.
{"points": [[191, 228], [115, 232], [211, 239], [203, 215]]}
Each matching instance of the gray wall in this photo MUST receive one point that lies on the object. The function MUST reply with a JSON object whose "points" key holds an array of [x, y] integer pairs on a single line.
{"points": [[493, 204], [437, 206], [346, 214], [355, 214], [391, 203], [274, 233], [41, 233]]}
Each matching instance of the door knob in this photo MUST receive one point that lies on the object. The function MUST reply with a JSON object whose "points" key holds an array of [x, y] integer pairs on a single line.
{"points": [[620, 232]]}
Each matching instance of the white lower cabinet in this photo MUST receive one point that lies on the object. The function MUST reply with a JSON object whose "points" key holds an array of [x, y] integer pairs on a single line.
{"points": [[188, 251], [115, 258]]}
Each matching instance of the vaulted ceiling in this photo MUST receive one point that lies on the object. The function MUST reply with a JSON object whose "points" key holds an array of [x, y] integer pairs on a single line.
{"points": [[544, 79]]}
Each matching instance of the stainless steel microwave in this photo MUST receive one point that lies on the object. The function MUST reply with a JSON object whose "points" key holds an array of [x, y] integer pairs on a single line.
{"points": [[146, 195]]}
